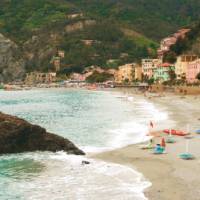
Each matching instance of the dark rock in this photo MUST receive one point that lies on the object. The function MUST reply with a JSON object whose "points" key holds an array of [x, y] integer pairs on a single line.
{"points": [[84, 162], [17, 136]]}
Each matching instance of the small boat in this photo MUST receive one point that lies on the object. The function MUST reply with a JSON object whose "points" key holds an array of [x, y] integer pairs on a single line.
{"points": [[175, 132]]}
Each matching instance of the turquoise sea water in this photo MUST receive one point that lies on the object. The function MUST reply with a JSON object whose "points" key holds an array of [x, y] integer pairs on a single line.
{"points": [[93, 120]]}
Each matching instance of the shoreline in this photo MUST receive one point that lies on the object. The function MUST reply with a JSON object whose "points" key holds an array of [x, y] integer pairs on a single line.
{"points": [[171, 177], [156, 89]]}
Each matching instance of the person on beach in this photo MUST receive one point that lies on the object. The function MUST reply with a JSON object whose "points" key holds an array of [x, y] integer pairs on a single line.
{"points": [[163, 143]]}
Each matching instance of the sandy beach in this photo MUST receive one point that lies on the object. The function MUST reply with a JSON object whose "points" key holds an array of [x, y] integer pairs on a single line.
{"points": [[171, 177]]}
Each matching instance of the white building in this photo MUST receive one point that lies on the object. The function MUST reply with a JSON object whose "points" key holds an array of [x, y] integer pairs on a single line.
{"points": [[148, 66]]}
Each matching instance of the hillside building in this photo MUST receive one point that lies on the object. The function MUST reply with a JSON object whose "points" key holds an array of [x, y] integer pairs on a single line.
{"points": [[125, 73], [162, 72], [182, 63], [61, 53], [56, 61], [166, 43], [38, 77], [148, 66], [137, 73], [192, 71]]}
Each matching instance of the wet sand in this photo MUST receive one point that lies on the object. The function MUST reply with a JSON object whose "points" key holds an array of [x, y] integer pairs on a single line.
{"points": [[171, 177]]}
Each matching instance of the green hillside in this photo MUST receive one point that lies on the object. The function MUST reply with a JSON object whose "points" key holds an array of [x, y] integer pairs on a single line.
{"points": [[155, 19], [121, 27]]}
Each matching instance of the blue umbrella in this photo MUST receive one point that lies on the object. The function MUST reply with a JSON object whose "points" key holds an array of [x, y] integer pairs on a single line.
{"points": [[170, 139]]}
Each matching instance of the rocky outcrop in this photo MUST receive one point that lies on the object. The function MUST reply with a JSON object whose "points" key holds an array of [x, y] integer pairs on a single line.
{"points": [[11, 61], [79, 25], [17, 136], [39, 50]]}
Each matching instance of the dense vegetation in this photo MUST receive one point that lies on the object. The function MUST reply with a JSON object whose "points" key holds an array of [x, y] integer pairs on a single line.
{"points": [[109, 42], [125, 30], [97, 77], [152, 18], [19, 18], [189, 44]]}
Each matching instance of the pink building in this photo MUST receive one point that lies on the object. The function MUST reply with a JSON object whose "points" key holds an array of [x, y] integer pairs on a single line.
{"points": [[192, 70]]}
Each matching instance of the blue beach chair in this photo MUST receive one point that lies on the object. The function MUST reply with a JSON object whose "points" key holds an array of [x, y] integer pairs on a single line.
{"points": [[158, 149], [186, 156]]}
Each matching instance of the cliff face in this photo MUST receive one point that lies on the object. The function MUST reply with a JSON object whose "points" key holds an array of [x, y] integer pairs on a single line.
{"points": [[18, 136], [11, 61]]}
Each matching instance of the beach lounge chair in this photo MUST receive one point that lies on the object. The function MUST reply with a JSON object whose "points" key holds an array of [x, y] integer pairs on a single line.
{"points": [[170, 140], [158, 149], [148, 146], [186, 156]]}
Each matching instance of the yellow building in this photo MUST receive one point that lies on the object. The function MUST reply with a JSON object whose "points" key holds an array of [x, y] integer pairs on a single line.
{"points": [[125, 73], [182, 64], [137, 73], [38, 77]]}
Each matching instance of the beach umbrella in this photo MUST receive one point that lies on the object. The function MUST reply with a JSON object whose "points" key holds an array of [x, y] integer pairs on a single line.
{"points": [[189, 136], [188, 128], [186, 155], [170, 139]]}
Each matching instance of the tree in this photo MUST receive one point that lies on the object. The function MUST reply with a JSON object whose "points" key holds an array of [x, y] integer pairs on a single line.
{"points": [[170, 57], [151, 81], [198, 76], [172, 75], [97, 77]]}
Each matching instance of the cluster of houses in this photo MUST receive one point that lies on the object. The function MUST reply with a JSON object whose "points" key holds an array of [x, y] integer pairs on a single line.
{"points": [[49, 77], [167, 42], [186, 68]]}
